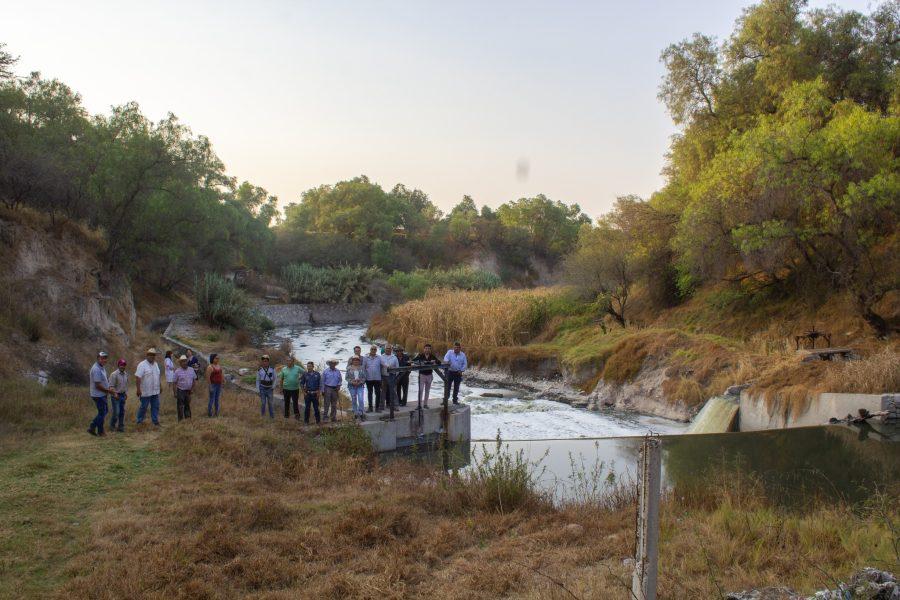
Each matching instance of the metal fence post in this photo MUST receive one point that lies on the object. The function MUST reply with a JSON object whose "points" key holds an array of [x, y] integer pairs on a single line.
{"points": [[643, 584]]}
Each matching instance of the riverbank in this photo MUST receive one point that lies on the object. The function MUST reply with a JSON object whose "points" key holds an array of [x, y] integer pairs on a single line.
{"points": [[252, 508], [665, 363]]}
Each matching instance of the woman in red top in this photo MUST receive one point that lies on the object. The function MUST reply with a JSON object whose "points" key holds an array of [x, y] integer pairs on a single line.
{"points": [[216, 378]]}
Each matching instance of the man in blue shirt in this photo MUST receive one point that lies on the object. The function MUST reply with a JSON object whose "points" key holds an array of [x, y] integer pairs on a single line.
{"points": [[331, 380], [99, 390], [311, 382], [458, 363]]}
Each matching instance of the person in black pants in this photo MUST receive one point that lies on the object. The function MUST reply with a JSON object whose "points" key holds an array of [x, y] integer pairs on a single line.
{"points": [[312, 387], [402, 378], [457, 363], [371, 364]]}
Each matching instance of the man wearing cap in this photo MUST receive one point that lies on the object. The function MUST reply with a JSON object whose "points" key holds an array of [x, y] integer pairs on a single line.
{"points": [[146, 378], [99, 389], [331, 379], [265, 385], [118, 381], [185, 379]]}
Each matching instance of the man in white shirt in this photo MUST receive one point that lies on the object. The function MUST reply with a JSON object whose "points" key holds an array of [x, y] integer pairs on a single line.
{"points": [[389, 380], [458, 363], [146, 378]]}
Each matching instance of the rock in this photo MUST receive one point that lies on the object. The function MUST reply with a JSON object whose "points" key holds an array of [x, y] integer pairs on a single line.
{"points": [[628, 563], [868, 584], [770, 593], [243, 371], [573, 530], [735, 390], [491, 395]]}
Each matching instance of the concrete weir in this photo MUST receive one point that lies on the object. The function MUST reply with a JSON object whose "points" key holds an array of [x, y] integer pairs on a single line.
{"points": [[409, 428]]}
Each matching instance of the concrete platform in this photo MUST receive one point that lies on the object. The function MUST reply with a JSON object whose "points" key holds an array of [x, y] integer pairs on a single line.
{"points": [[409, 428]]}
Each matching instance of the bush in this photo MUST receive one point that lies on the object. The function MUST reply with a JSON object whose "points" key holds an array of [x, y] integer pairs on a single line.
{"points": [[416, 284], [349, 285], [349, 439], [221, 304], [498, 481]]}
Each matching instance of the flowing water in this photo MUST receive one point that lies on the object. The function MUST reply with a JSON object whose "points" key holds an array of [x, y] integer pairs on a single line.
{"points": [[517, 416], [792, 464]]}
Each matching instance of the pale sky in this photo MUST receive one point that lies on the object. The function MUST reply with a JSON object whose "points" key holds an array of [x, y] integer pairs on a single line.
{"points": [[448, 97]]}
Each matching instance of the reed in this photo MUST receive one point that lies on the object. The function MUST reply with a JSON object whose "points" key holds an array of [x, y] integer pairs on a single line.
{"points": [[499, 317]]}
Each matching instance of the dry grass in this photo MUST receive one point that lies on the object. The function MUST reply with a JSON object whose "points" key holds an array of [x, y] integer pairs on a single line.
{"points": [[874, 374], [485, 318], [259, 508]]}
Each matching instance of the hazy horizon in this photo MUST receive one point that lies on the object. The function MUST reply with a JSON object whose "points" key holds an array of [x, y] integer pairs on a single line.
{"points": [[453, 100]]}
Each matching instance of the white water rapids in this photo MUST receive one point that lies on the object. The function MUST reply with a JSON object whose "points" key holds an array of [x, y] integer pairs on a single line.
{"points": [[519, 415]]}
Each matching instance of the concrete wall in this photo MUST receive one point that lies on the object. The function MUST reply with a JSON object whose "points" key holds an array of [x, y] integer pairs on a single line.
{"points": [[755, 415], [284, 315]]}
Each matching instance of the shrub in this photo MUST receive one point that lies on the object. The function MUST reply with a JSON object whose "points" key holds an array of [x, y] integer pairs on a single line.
{"points": [[32, 326], [349, 439], [350, 284], [416, 284], [499, 480], [221, 304]]}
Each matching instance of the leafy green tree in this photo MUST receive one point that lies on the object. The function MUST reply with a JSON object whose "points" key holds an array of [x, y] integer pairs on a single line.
{"points": [[552, 226]]}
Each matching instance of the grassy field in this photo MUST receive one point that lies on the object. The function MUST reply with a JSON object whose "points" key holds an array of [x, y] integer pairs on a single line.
{"points": [[243, 507]]}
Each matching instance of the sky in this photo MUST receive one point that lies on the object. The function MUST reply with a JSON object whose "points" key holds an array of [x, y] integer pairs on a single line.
{"points": [[498, 100]]}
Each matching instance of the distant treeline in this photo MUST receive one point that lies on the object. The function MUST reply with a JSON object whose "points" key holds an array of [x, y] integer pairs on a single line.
{"points": [[167, 209], [784, 178]]}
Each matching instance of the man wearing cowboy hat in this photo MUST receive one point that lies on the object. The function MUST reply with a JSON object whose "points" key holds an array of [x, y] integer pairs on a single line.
{"points": [[331, 379], [146, 378], [185, 379]]}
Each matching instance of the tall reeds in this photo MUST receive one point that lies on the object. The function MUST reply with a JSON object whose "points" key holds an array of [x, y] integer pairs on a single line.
{"points": [[499, 317]]}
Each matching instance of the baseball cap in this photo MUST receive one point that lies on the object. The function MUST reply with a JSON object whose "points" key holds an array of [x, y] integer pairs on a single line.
{"points": [[121, 362], [102, 354]]}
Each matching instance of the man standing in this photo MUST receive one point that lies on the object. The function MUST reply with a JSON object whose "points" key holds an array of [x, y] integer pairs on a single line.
{"points": [[426, 376], [311, 382], [357, 353], [457, 359], [402, 378], [118, 381], [265, 385], [372, 366], [289, 379], [331, 380], [185, 379], [146, 379], [99, 389], [388, 379]]}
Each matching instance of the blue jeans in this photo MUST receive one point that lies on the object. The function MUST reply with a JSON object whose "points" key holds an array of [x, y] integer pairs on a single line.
{"points": [[117, 415], [102, 408], [357, 398], [153, 401], [265, 398], [215, 392]]}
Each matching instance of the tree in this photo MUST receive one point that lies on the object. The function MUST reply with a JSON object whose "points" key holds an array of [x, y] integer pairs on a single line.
{"points": [[552, 226], [603, 268]]}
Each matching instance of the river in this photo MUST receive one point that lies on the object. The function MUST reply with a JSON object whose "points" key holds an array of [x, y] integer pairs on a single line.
{"points": [[574, 445]]}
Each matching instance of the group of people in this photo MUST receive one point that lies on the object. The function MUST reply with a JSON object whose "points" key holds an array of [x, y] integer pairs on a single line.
{"points": [[181, 379], [368, 377]]}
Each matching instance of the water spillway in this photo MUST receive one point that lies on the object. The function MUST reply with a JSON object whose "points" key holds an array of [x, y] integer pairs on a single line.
{"points": [[718, 415]]}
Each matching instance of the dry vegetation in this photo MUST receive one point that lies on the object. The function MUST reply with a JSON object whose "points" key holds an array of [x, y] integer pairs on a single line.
{"points": [[713, 341], [260, 509]]}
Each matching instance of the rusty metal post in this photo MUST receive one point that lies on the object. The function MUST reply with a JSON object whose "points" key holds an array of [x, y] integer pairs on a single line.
{"points": [[643, 584]]}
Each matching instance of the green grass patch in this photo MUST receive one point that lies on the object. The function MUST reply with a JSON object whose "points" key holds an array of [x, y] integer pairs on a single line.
{"points": [[48, 490]]}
